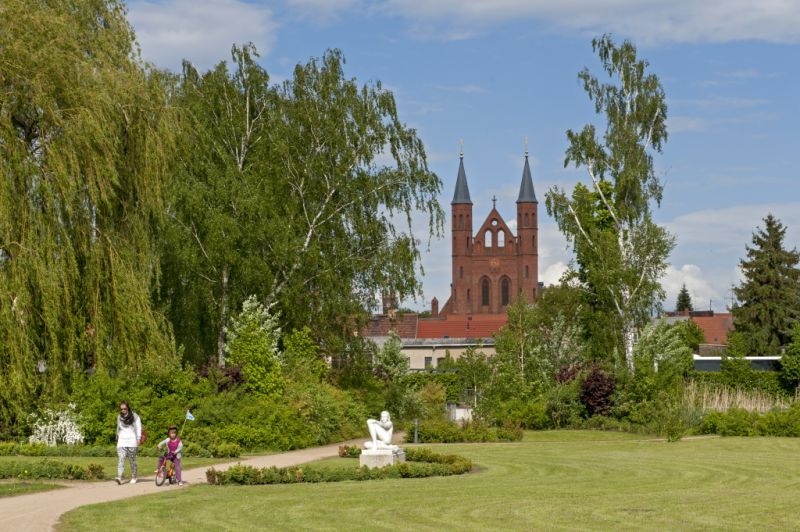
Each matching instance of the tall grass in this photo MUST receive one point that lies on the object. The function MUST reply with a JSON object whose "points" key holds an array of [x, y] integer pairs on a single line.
{"points": [[711, 397]]}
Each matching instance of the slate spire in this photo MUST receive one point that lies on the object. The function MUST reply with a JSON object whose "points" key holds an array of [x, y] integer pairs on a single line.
{"points": [[526, 192], [462, 190]]}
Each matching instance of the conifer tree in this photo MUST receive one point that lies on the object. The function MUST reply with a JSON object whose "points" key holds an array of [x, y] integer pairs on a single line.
{"points": [[684, 300], [769, 296]]}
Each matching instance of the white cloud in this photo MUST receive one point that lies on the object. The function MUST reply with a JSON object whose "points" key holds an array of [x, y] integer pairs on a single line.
{"points": [[719, 229], [552, 273], [700, 289], [713, 241], [647, 21], [201, 32]]}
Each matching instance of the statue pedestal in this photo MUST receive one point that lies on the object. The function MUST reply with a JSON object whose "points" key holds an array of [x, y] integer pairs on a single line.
{"points": [[373, 458]]}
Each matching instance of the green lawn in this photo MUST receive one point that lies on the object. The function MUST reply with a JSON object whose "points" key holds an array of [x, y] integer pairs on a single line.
{"points": [[10, 489], [561, 480], [146, 464]]}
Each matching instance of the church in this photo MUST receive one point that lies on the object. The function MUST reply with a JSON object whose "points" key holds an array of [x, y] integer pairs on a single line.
{"points": [[491, 268]]}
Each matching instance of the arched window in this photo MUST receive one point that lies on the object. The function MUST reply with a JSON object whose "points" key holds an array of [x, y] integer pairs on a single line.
{"points": [[504, 290], [527, 221], [533, 241], [527, 273], [485, 292], [487, 242], [467, 242], [467, 294], [501, 238], [461, 221], [460, 272]]}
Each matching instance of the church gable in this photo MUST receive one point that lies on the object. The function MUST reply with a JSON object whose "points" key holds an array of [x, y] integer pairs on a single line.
{"points": [[494, 234]]}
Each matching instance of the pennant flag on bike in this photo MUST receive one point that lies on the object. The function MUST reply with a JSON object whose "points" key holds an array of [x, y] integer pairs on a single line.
{"points": [[189, 416]]}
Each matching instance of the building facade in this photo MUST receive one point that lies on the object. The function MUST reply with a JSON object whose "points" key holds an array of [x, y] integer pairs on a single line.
{"points": [[492, 266]]}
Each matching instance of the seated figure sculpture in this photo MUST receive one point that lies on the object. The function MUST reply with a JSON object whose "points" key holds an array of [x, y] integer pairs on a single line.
{"points": [[380, 430]]}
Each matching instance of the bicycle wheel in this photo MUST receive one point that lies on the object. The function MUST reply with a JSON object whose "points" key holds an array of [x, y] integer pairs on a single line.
{"points": [[161, 475]]}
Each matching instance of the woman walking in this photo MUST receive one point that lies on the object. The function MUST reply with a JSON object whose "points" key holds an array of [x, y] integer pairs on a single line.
{"points": [[129, 434]]}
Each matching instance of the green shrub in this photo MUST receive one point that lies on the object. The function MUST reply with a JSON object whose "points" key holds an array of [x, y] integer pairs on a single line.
{"points": [[529, 414], [739, 422], [226, 450], [450, 381], [564, 407], [50, 469], [8, 448], [349, 451], [734, 422], [433, 431], [765, 381], [420, 463]]}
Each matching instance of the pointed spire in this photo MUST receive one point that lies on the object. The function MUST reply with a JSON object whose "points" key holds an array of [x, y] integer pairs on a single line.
{"points": [[526, 192], [462, 190]]}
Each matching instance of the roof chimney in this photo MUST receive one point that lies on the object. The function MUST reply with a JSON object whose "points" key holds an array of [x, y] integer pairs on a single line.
{"points": [[434, 308]]}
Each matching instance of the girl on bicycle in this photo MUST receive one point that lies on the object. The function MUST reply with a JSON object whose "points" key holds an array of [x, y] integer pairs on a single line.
{"points": [[174, 446]]}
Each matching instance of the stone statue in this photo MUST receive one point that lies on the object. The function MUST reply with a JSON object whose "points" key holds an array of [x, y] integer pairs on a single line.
{"points": [[381, 433]]}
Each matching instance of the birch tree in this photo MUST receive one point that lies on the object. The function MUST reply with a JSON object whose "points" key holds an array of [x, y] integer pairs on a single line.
{"points": [[622, 252], [291, 193]]}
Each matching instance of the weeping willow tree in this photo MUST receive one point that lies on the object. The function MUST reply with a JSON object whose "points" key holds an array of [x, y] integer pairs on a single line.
{"points": [[84, 135]]}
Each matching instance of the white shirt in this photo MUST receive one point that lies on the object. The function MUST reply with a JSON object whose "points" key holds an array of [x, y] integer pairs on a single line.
{"points": [[129, 435]]}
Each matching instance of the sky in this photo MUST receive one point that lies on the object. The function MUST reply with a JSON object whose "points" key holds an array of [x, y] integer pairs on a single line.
{"points": [[493, 72]]}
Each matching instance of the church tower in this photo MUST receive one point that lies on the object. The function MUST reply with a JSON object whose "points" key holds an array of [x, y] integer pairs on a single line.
{"points": [[527, 235], [461, 207], [492, 266]]}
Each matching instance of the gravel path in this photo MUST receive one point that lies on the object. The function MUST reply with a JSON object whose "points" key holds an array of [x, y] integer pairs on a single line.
{"points": [[41, 511]]}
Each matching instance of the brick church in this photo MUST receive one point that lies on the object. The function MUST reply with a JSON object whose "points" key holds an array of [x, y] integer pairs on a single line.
{"points": [[492, 266]]}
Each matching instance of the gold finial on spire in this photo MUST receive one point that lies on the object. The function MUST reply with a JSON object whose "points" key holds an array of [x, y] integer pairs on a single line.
{"points": [[461, 148], [526, 146]]}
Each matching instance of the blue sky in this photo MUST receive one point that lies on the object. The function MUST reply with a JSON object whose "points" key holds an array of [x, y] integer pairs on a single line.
{"points": [[492, 72]]}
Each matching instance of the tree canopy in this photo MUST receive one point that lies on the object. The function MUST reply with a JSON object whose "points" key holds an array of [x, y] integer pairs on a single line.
{"points": [[85, 135], [139, 209], [684, 301], [621, 252], [291, 193]]}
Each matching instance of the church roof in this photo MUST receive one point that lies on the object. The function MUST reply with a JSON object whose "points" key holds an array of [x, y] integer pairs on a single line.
{"points": [[462, 190], [526, 192]]}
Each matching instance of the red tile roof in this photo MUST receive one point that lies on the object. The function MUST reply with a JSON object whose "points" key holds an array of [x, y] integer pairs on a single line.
{"points": [[460, 326], [453, 326], [716, 327], [405, 325]]}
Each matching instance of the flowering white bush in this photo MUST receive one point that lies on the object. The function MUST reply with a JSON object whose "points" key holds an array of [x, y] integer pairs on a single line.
{"points": [[56, 426]]}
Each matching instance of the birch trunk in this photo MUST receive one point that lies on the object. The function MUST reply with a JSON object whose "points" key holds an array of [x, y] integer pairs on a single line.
{"points": [[223, 320]]}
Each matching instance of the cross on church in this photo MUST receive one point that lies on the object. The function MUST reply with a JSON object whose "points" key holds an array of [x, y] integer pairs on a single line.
{"points": [[494, 202]]}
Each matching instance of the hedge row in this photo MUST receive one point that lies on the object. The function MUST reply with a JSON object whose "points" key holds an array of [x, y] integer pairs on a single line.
{"points": [[739, 422], [51, 469], [420, 463], [221, 450], [448, 432]]}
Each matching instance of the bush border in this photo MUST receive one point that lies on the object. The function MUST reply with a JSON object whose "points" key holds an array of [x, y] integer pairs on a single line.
{"points": [[420, 463]]}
